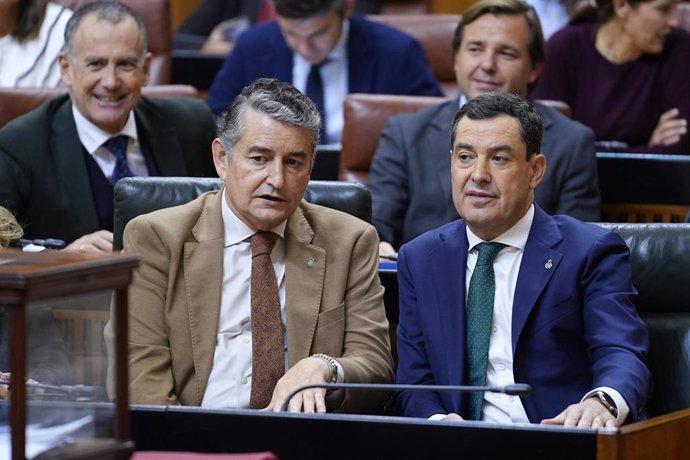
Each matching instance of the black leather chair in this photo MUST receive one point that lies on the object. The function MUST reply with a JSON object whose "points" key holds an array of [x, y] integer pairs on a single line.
{"points": [[141, 195], [660, 258]]}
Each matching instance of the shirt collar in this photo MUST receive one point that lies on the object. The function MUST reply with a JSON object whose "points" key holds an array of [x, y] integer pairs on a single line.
{"points": [[235, 231], [92, 137], [516, 236]]}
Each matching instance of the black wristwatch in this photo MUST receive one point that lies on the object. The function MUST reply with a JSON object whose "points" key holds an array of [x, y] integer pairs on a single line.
{"points": [[607, 402]]}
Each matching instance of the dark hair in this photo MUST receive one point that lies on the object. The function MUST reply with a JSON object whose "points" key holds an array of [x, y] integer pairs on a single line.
{"points": [[302, 9], [109, 11], [279, 100], [537, 46], [597, 11], [29, 19], [491, 105]]}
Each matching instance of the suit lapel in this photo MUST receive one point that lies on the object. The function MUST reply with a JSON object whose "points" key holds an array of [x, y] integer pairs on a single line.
{"points": [[448, 276], [362, 59], [71, 169], [203, 267], [441, 152], [547, 142], [305, 273], [539, 262], [159, 139]]}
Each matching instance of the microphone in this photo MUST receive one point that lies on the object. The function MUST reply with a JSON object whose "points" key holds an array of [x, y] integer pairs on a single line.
{"points": [[81, 393], [515, 389]]}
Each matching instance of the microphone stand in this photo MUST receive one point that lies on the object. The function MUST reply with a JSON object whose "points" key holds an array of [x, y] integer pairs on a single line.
{"points": [[516, 389], [82, 393]]}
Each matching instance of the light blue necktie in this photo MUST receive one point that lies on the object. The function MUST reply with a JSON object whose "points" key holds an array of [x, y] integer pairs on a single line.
{"points": [[478, 316], [118, 146]]}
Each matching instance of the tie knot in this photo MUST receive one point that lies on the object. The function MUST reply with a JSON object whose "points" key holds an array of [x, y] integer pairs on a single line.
{"points": [[263, 242], [488, 252], [117, 145]]}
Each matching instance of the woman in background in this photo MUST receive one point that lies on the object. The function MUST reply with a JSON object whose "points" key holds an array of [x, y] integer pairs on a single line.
{"points": [[31, 37], [624, 69]]}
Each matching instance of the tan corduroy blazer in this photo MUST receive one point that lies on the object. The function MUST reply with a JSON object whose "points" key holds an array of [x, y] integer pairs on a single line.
{"points": [[334, 299]]}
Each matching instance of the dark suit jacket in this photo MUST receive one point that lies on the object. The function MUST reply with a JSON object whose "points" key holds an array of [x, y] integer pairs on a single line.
{"points": [[574, 325], [43, 174], [381, 60], [410, 173]]}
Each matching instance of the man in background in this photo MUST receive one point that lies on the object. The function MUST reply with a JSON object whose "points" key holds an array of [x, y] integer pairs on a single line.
{"points": [[60, 162], [498, 47], [326, 52]]}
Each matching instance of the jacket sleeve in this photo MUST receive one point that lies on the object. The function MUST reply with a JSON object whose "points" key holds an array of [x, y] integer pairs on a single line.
{"points": [[413, 360]]}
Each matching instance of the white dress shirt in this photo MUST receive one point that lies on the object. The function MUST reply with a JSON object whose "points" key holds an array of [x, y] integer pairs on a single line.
{"points": [[230, 381], [498, 407], [92, 138], [334, 74]]}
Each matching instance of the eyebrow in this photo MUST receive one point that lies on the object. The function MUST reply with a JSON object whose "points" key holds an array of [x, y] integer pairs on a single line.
{"points": [[260, 149], [491, 149]]}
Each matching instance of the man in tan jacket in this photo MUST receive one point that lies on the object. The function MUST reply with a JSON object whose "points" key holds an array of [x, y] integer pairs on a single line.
{"points": [[192, 337]]}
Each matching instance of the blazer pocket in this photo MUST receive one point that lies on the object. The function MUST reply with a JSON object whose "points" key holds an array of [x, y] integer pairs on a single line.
{"points": [[330, 332], [330, 316]]}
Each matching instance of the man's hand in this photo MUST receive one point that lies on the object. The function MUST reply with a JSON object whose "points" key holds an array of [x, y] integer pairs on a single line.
{"points": [[589, 413], [452, 417], [97, 242], [4, 389], [669, 128], [386, 249], [308, 371]]}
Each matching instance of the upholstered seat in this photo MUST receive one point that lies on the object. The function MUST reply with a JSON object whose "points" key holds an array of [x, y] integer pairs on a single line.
{"points": [[18, 101], [139, 195]]}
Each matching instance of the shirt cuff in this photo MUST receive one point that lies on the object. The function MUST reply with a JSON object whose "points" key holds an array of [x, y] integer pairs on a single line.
{"points": [[341, 372], [618, 400]]}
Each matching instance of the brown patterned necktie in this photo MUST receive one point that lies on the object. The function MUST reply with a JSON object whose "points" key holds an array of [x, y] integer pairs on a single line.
{"points": [[268, 358]]}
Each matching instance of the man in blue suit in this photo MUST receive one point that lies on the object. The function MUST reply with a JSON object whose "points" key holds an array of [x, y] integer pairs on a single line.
{"points": [[560, 314], [347, 53]]}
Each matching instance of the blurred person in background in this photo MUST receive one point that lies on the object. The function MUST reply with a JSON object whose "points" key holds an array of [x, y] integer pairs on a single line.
{"points": [[622, 66], [31, 37]]}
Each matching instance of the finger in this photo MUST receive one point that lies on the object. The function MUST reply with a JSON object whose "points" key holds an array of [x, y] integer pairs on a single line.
{"points": [[671, 113], [597, 422], [296, 403], [320, 400], [610, 423], [572, 417], [308, 402]]}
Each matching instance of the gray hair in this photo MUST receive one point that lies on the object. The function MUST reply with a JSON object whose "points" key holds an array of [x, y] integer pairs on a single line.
{"points": [[279, 100], [109, 11], [491, 105]]}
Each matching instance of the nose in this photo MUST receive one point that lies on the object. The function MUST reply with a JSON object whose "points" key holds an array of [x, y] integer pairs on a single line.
{"points": [[275, 176], [109, 78], [481, 172], [488, 61]]}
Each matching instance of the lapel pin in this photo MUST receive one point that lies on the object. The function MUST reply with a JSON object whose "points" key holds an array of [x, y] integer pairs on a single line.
{"points": [[548, 264], [310, 262]]}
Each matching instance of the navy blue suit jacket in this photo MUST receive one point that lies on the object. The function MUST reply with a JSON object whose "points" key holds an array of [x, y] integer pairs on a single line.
{"points": [[380, 60], [574, 325]]}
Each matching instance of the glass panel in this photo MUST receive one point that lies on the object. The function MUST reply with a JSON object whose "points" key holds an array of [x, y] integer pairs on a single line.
{"points": [[67, 367]]}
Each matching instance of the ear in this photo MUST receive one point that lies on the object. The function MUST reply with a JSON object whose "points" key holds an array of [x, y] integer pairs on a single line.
{"points": [[536, 70], [538, 170], [349, 8], [147, 68], [220, 158], [64, 63]]}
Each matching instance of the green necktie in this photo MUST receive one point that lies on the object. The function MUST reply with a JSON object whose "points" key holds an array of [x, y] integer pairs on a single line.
{"points": [[478, 315]]}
